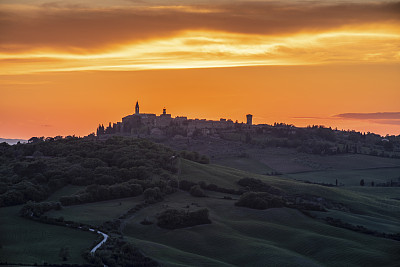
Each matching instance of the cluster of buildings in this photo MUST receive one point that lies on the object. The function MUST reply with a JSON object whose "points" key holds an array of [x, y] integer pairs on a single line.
{"points": [[157, 125]]}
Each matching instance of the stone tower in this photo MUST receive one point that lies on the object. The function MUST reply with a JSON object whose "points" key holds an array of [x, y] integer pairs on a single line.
{"points": [[249, 119], [137, 108]]}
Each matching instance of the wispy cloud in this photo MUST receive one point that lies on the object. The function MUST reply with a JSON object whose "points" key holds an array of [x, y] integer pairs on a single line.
{"points": [[310, 117], [385, 118], [19, 82], [370, 116]]}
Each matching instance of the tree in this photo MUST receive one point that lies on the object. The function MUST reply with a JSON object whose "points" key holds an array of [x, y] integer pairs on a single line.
{"points": [[362, 182], [152, 195], [196, 191]]}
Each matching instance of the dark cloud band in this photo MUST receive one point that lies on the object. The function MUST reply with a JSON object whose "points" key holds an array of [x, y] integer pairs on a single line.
{"points": [[84, 28]]}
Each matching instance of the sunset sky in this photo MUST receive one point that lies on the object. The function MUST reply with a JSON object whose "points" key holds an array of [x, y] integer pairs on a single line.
{"points": [[66, 66]]}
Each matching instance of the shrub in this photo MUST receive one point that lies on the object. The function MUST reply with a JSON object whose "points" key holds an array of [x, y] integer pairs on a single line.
{"points": [[153, 195], [196, 191], [174, 219], [146, 221], [259, 201], [257, 185], [186, 185], [173, 183]]}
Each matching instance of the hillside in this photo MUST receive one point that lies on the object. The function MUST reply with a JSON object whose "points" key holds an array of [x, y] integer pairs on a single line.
{"points": [[12, 141], [126, 188]]}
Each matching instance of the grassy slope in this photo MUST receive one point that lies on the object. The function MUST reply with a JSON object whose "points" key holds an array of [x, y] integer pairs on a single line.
{"points": [[25, 241], [242, 236], [349, 177], [371, 222], [360, 200], [245, 164], [287, 160]]}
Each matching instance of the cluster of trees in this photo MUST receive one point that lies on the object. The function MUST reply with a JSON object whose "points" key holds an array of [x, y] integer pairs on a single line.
{"points": [[20, 192], [360, 228], [260, 195], [153, 191], [390, 183], [34, 209], [174, 219], [33, 171], [188, 185], [265, 200], [195, 156], [118, 252], [258, 186], [259, 200], [94, 193], [320, 140]]}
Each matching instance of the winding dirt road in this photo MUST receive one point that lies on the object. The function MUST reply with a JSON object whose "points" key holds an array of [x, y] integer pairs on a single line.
{"points": [[105, 237]]}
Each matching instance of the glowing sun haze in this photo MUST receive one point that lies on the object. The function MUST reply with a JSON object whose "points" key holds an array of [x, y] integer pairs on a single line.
{"points": [[66, 66]]}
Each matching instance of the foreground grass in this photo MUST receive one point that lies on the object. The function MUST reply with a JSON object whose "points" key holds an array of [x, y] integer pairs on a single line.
{"points": [[241, 236], [29, 242]]}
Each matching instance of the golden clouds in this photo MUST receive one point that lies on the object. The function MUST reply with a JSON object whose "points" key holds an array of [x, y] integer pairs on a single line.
{"points": [[54, 38], [84, 29], [204, 49]]}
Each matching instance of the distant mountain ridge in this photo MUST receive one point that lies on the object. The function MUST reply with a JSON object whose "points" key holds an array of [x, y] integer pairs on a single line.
{"points": [[12, 141]]}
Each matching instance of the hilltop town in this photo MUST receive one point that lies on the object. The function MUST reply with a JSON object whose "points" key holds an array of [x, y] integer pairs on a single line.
{"points": [[153, 125], [226, 135]]}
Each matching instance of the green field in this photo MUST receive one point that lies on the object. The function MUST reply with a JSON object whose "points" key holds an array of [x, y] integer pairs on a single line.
{"points": [[98, 212], [361, 200], [241, 236], [29, 242], [245, 164], [349, 177], [286, 160]]}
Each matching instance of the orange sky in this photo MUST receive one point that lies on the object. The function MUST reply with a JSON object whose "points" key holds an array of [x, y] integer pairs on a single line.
{"points": [[67, 66]]}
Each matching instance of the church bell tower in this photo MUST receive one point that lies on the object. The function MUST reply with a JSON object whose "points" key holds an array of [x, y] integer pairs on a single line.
{"points": [[137, 108]]}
